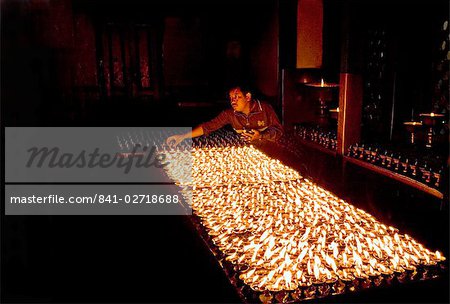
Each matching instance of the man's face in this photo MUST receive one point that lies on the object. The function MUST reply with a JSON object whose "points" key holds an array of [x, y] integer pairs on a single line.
{"points": [[238, 100]]}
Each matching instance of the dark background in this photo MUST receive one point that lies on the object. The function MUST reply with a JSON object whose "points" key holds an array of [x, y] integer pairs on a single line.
{"points": [[75, 63]]}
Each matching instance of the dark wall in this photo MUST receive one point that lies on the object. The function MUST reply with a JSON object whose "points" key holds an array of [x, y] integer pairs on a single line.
{"points": [[56, 54], [393, 46]]}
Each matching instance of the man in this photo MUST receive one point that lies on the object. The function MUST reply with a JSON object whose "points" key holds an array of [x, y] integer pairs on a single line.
{"points": [[249, 117]]}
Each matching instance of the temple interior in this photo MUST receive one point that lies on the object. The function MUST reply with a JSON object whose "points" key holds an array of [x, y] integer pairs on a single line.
{"points": [[350, 205]]}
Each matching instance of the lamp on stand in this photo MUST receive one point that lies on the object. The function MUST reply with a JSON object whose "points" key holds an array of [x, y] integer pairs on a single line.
{"points": [[412, 127], [323, 97], [430, 120]]}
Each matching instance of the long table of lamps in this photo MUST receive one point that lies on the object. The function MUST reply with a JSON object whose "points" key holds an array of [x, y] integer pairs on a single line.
{"points": [[282, 238]]}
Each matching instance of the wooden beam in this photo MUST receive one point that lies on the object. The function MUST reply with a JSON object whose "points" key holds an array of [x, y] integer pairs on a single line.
{"points": [[350, 108]]}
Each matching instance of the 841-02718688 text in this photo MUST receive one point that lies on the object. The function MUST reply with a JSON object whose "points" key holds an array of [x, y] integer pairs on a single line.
{"points": [[139, 199]]}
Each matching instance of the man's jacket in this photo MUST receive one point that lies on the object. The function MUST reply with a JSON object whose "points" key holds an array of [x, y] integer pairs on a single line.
{"points": [[262, 117]]}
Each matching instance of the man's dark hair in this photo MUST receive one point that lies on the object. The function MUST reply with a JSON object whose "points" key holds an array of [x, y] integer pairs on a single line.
{"points": [[244, 86], [247, 87]]}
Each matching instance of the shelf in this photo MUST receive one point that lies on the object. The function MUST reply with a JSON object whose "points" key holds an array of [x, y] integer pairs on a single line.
{"points": [[316, 146], [398, 177]]}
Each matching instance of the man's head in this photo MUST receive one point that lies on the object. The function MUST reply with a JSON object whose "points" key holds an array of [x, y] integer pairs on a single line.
{"points": [[240, 99]]}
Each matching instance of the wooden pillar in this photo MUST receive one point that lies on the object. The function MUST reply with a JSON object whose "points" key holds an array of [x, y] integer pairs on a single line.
{"points": [[350, 82], [350, 106]]}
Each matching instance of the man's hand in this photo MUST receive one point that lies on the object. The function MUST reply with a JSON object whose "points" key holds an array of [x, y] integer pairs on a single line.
{"points": [[251, 135], [174, 140]]}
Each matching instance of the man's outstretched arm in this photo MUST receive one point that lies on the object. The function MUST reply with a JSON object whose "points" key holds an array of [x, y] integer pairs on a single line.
{"points": [[204, 129], [174, 140]]}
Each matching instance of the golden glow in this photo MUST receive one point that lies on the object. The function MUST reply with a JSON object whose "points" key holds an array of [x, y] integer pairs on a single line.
{"points": [[282, 230]]}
